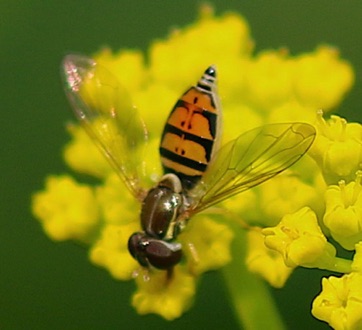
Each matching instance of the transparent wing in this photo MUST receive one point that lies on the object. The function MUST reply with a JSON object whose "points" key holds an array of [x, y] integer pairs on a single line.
{"points": [[105, 111], [249, 160]]}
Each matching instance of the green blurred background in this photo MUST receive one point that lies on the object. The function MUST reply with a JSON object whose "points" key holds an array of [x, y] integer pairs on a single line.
{"points": [[44, 285]]}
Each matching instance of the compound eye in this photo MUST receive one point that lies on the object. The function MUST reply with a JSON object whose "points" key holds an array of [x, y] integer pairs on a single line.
{"points": [[137, 244], [151, 251], [163, 255]]}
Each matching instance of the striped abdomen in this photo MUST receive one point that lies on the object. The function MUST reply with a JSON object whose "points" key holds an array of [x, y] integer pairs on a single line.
{"points": [[191, 131]]}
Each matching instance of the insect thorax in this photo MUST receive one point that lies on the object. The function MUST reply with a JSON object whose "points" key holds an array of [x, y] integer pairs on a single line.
{"points": [[161, 208]]}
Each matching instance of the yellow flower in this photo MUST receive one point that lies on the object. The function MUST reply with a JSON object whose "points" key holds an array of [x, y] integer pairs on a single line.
{"points": [[208, 251], [343, 216], [66, 209], [338, 148], [111, 252], [340, 302], [323, 93], [82, 155], [285, 194], [265, 262], [188, 52], [128, 67], [268, 80], [117, 206], [168, 295], [299, 239], [268, 87]]}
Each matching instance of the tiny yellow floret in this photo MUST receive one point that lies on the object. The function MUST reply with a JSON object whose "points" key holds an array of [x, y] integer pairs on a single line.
{"points": [[321, 78], [82, 155], [116, 203], [111, 252], [127, 65], [168, 295], [66, 209], [268, 80], [300, 240], [206, 244], [186, 52], [340, 302], [337, 148], [283, 195], [266, 262], [343, 215]]}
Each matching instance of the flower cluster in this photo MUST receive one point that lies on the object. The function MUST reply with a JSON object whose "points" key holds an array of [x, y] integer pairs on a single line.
{"points": [[290, 219]]}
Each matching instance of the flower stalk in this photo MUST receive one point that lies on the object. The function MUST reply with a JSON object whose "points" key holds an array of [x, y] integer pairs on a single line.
{"points": [[250, 296]]}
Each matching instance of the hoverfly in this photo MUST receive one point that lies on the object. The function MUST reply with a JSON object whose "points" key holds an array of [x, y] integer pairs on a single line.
{"points": [[197, 173]]}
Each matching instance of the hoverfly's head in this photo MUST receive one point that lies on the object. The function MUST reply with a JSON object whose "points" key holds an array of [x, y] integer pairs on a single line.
{"points": [[149, 251]]}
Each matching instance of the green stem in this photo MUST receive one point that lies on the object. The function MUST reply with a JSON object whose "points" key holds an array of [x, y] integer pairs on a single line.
{"points": [[251, 298], [338, 265]]}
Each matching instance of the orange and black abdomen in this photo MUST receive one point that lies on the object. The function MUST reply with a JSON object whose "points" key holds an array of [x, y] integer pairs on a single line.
{"points": [[191, 131]]}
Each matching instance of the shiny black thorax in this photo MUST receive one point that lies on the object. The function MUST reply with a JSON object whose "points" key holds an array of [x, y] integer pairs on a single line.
{"points": [[161, 223], [159, 211]]}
